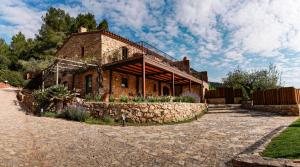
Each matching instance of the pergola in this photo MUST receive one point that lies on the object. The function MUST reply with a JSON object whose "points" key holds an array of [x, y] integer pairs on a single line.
{"points": [[148, 67], [66, 65]]}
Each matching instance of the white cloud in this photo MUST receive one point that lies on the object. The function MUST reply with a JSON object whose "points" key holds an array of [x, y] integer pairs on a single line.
{"points": [[19, 17]]}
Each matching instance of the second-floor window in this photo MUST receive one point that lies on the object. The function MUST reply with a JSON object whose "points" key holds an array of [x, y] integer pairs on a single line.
{"points": [[124, 52]]}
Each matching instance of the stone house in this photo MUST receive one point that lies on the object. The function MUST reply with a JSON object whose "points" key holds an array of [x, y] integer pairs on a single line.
{"points": [[126, 68]]}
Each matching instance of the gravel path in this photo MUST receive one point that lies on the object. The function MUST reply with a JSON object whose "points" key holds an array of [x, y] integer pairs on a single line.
{"points": [[210, 141]]}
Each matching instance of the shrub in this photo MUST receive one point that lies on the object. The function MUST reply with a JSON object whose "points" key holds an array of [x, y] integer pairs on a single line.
{"points": [[42, 99], [152, 99], [98, 98], [74, 114], [185, 99], [138, 99], [52, 96], [14, 78], [177, 99], [165, 99], [88, 97], [108, 119], [123, 99], [111, 99], [188, 99]]}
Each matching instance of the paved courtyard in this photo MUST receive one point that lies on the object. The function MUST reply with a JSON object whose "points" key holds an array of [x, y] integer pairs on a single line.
{"points": [[210, 141]]}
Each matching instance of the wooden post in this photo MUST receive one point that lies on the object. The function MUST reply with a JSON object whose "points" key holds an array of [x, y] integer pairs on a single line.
{"points": [[57, 73], [173, 85], [190, 86], [137, 84], [144, 77], [159, 88], [110, 81]]}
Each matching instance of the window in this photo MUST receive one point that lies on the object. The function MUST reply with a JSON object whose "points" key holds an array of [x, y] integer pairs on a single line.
{"points": [[124, 52], [82, 51], [88, 84], [154, 88], [124, 83]]}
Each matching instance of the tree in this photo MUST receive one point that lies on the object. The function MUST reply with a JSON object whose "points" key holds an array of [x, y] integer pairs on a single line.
{"points": [[86, 20], [253, 80], [19, 45], [4, 53], [56, 24], [103, 25]]}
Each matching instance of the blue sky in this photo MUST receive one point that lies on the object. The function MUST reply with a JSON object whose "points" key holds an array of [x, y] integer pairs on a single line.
{"points": [[217, 36]]}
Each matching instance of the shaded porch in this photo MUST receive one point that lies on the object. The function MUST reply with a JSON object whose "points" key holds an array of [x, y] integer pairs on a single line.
{"points": [[148, 67]]}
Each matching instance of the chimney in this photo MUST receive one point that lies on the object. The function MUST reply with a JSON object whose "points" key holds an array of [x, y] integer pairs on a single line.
{"points": [[82, 29]]}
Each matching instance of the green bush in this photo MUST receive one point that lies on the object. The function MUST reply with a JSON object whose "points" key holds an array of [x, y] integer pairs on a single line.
{"points": [[111, 99], [14, 78], [188, 99], [152, 99], [98, 98], [123, 99], [164, 99], [108, 119], [42, 99], [138, 99], [74, 114], [88, 97], [184, 99], [52, 96]]}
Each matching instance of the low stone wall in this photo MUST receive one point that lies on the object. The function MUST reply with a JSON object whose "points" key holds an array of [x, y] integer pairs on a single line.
{"points": [[146, 112], [27, 101], [292, 110]]}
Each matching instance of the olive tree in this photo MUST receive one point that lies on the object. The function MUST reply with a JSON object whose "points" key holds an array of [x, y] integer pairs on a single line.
{"points": [[250, 81]]}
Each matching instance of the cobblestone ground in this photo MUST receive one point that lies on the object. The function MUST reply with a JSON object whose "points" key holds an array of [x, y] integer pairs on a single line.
{"points": [[210, 141]]}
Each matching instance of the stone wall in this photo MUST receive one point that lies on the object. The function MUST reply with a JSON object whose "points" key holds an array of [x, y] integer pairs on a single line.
{"points": [[147, 112], [280, 109], [27, 101], [89, 43]]}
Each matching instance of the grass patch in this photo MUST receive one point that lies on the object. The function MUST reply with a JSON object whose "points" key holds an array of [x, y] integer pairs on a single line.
{"points": [[50, 114], [287, 144]]}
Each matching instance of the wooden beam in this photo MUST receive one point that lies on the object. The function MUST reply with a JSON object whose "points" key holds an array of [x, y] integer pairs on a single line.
{"points": [[159, 73], [110, 81], [144, 76]]}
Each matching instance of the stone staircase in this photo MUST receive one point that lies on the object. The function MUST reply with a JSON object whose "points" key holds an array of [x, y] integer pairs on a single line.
{"points": [[224, 107]]}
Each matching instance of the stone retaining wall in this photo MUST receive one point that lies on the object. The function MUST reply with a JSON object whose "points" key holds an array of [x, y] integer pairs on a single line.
{"points": [[280, 109], [146, 112], [27, 101]]}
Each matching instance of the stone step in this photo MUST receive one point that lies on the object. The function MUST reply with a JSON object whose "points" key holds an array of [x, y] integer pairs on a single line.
{"points": [[224, 106]]}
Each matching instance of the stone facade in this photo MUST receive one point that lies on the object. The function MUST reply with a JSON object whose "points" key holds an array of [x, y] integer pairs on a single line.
{"points": [[280, 109], [147, 112], [104, 48]]}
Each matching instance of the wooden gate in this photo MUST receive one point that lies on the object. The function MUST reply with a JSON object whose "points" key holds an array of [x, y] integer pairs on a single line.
{"points": [[229, 95]]}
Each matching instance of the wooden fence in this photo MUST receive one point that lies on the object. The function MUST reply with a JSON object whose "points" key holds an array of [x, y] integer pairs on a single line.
{"points": [[281, 96], [222, 92]]}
